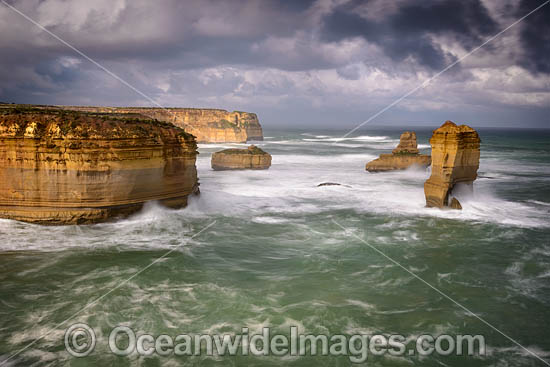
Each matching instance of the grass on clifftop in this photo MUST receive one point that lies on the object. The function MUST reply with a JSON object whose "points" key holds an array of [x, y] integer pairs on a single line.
{"points": [[73, 119], [253, 150]]}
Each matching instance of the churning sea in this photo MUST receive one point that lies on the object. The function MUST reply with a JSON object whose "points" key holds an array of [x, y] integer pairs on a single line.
{"points": [[284, 252]]}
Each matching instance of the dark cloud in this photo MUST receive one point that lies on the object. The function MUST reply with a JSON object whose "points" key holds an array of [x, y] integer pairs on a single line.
{"points": [[271, 56], [535, 36], [406, 31]]}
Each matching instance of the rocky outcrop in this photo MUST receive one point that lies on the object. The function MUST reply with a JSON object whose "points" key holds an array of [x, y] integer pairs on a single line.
{"points": [[403, 156], [63, 167], [207, 125], [407, 144], [455, 159], [251, 158]]}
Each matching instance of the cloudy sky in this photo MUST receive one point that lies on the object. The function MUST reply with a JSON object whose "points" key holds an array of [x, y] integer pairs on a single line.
{"points": [[324, 63]]}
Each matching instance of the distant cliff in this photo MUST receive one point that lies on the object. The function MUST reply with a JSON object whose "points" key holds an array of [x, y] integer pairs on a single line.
{"points": [[62, 167], [207, 125]]}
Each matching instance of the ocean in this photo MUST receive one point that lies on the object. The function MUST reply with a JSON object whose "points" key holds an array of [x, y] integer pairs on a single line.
{"points": [[278, 251]]}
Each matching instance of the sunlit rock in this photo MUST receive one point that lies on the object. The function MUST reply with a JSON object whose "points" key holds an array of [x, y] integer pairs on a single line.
{"points": [[455, 159]]}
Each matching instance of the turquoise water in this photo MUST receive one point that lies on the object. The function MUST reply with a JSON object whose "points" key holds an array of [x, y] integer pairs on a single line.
{"points": [[277, 256]]}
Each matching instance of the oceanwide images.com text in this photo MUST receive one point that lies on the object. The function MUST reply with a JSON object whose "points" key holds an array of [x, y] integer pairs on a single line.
{"points": [[80, 341]]}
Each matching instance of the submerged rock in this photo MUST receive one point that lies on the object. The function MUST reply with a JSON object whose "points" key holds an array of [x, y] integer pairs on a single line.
{"points": [[455, 159], [403, 156], [455, 204], [250, 158], [66, 167], [329, 184]]}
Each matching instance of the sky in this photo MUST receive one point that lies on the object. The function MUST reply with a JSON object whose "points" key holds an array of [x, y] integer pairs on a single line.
{"points": [[317, 63]]}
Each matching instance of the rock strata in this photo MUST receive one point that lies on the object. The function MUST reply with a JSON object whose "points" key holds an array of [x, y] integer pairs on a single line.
{"points": [[65, 167], [231, 159], [455, 159], [207, 125], [407, 144], [403, 156]]}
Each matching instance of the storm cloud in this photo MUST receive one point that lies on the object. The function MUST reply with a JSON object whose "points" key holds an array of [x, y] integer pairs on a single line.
{"points": [[315, 63]]}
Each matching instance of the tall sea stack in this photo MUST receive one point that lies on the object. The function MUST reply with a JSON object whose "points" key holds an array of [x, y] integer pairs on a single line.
{"points": [[455, 159]]}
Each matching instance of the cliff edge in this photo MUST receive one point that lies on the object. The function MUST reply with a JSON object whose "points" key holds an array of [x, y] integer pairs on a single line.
{"points": [[66, 167], [207, 125]]}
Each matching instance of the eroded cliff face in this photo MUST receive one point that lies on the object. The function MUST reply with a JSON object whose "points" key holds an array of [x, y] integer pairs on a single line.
{"points": [[455, 159], [251, 158], [207, 125], [405, 155], [61, 167]]}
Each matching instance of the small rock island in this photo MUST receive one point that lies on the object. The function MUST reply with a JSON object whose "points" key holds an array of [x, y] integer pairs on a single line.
{"points": [[70, 167], [405, 155], [233, 159]]}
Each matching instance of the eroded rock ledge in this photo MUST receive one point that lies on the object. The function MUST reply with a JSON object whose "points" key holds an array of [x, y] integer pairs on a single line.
{"points": [[64, 167], [455, 159], [403, 156], [251, 158], [207, 125]]}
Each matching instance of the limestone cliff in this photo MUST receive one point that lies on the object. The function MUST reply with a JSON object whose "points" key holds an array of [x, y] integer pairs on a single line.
{"points": [[455, 159], [403, 156], [207, 125], [251, 158], [61, 167]]}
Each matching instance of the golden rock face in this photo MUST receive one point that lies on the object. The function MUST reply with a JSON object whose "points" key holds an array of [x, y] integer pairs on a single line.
{"points": [[207, 125], [59, 167], [393, 162], [407, 143], [231, 159], [403, 156], [455, 159]]}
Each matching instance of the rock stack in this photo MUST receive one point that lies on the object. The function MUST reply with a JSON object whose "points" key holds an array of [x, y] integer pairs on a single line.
{"points": [[403, 156], [231, 159], [455, 159]]}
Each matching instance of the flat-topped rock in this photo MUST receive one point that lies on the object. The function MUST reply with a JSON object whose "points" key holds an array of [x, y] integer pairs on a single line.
{"points": [[455, 159], [232, 159], [66, 167], [405, 155], [395, 162]]}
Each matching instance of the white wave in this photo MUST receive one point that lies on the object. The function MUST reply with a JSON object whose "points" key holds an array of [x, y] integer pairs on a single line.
{"points": [[221, 145], [289, 187], [358, 138], [538, 202]]}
